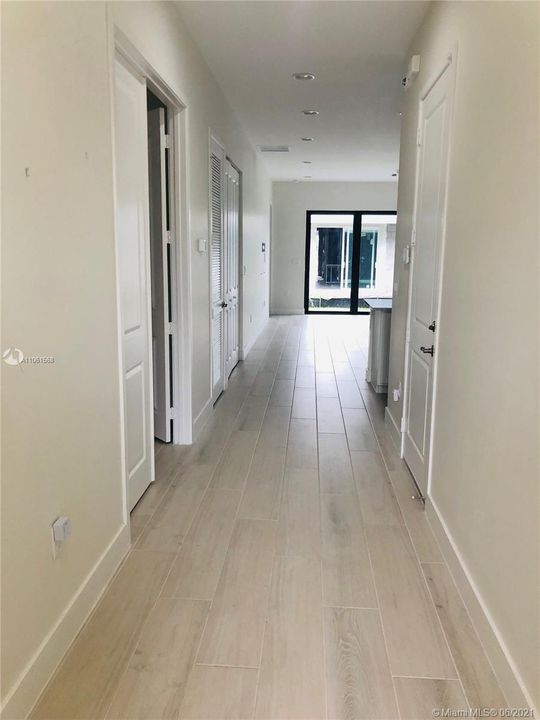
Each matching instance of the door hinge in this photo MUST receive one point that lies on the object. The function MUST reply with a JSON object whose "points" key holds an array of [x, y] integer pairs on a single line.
{"points": [[167, 139], [403, 424], [170, 328], [167, 237], [172, 414], [413, 237], [419, 136]]}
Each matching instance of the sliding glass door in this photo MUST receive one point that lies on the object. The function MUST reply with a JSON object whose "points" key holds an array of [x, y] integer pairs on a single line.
{"points": [[349, 257]]}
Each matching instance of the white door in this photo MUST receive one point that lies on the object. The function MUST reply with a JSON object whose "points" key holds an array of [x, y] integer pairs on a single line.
{"points": [[231, 266], [133, 250], [434, 126], [159, 240], [217, 165]]}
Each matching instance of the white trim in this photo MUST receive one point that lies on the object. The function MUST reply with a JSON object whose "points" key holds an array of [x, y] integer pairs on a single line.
{"points": [[40, 669], [202, 417], [393, 430], [181, 229], [449, 64], [500, 657]]}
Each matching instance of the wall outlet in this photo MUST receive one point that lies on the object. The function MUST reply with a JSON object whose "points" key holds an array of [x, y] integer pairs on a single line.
{"points": [[60, 531]]}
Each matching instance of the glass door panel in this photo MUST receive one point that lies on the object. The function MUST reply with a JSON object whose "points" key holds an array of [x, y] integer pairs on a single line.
{"points": [[329, 274], [376, 257]]}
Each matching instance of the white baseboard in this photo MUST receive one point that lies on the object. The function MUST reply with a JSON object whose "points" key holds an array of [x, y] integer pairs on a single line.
{"points": [[286, 311], [31, 682], [501, 660], [201, 418], [393, 430]]}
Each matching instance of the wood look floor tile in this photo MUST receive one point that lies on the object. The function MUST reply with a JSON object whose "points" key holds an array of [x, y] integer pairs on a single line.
{"points": [[299, 531], [326, 385], [416, 644], [347, 577], [172, 519], [304, 406], [349, 395], [219, 693], [301, 480], [196, 570], [335, 469], [358, 680], [377, 500], [235, 627], [302, 445], [305, 376], [419, 697], [479, 682], [251, 414], [262, 385], [153, 684], [286, 370], [282, 393], [275, 427], [329, 418], [262, 494], [233, 468], [85, 683], [359, 431], [343, 370], [291, 675]]}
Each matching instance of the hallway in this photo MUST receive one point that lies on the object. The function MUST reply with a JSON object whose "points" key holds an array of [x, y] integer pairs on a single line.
{"points": [[281, 567]]}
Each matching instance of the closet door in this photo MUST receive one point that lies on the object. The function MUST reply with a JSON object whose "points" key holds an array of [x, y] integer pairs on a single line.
{"points": [[133, 253], [231, 267], [218, 304]]}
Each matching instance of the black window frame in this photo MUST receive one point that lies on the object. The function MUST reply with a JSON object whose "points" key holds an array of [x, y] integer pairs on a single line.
{"points": [[355, 274]]}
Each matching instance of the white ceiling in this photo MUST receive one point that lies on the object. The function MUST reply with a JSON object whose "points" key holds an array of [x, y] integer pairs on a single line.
{"points": [[357, 50]]}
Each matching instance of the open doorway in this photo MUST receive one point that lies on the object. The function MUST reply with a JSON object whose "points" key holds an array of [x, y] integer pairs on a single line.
{"points": [[151, 270], [349, 259], [162, 320]]}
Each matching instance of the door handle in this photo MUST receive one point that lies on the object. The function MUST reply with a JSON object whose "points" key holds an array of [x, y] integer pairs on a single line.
{"points": [[428, 351], [224, 304]]}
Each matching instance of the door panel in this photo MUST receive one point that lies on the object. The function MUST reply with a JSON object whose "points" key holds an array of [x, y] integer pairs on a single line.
{"points": [[429, 222], [132, 237], [160, 272], [231, 269], [217, 161]]}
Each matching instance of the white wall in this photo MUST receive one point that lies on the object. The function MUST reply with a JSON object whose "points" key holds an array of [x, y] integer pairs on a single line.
{"points": [[485, 443], [61, 442], [290, 201]]}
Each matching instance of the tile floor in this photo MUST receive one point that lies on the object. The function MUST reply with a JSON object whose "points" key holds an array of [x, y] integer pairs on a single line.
{"points": [[281, 567]]}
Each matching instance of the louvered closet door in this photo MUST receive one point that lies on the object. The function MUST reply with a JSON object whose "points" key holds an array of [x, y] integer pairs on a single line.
{"points": [[231, 268], [217, 164]]}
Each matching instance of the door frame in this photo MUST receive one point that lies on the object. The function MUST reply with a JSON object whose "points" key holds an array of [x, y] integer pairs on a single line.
{"points": [[448, 64], [214, 138], [240, 258], [177, 122], [357, 229]]}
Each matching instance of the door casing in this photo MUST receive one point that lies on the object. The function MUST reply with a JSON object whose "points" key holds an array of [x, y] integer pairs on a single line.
{"points": [[121, 47], [449, 65]]}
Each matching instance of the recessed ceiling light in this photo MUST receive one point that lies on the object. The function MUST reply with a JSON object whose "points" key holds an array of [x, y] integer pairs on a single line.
{"points": [[307, 139], [306, 162], [310, 112], [303, 76], [308, 177]]}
